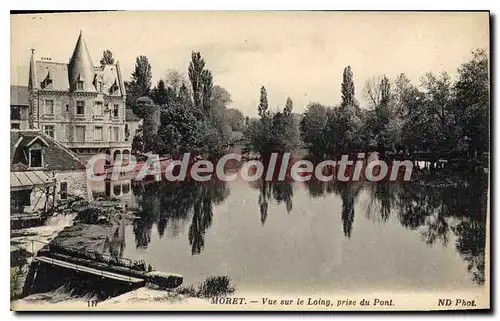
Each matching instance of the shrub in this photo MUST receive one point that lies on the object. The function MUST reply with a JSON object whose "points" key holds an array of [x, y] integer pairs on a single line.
{"points": [[215, 286], [212, 286]]}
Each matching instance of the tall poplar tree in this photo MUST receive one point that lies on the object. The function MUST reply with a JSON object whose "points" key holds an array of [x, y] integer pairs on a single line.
{"points": [[263, 105], [195, 71], [347, 88]]}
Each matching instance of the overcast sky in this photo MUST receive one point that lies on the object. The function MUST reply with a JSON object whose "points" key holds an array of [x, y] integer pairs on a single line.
{"points": [[300, 55]]}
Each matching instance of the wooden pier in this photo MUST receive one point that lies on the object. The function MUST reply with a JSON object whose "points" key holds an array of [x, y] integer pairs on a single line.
{"points": [[86, 269], [102, 265]]}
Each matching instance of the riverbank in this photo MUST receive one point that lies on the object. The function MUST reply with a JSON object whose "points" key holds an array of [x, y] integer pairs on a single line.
{"points": [[97, 228]]}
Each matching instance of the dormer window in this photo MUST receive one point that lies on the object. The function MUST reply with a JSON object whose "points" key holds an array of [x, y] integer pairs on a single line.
{"points": [[113, 88], [47, 82], [79, 85], [35, 155]]}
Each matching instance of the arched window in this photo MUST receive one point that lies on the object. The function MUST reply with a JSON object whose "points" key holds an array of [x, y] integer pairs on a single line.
{"points": [[117, 156], [125, 188], [125, 157], [117, 189]]}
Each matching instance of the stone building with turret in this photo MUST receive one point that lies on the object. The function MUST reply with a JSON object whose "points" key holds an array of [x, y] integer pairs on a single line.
{"points": [[78, 104]]}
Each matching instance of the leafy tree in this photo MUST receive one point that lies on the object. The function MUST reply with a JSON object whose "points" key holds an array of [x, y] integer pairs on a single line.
{"points": [[236, 119], [313, 128], [184, 98], [285, 134], [146, 137], [140, 83], [220, 96], [440, 135], [439, 116], [472, 92], [175, 79], [160, 94], [107, 58], [189, 122], [179, 132], [371, 91], [274, 132], [347, 127]]}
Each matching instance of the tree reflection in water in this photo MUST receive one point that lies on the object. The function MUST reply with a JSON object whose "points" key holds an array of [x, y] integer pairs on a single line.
{"points": [[441, 203], [281, 192], [435, 204], [441, 206], [164, 204], [348, 192]]}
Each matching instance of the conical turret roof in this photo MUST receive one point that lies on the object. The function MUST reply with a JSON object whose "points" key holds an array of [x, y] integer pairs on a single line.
{"points": [[81, 67]]}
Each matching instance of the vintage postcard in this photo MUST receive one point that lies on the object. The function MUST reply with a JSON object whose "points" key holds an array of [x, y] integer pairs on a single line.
{"points": [[250, 161]]}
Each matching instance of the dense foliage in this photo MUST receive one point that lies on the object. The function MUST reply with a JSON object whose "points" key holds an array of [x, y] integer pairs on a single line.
{"points": [[107, 58], [139, 84], [178, 119], [440, 116], [272, 132]]}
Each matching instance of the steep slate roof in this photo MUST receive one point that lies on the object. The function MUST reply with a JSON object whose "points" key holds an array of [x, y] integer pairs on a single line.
{"points": [[55, 155], [130, 116], [109, 76], [57, 71], [18, 95], [65, 76], [80, 66]]}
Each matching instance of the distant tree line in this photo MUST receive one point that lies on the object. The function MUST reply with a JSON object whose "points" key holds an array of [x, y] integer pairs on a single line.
{"points": [[440, 116]]}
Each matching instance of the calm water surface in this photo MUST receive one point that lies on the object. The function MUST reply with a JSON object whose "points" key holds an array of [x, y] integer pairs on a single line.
{"points": [[428, 234]]}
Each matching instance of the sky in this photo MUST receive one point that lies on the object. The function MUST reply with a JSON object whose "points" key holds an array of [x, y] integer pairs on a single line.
{"points": [[294, 54]]}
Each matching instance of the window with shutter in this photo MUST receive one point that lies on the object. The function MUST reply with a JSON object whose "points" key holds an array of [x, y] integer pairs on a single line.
{"points": [[80, 133], [98, 133]]}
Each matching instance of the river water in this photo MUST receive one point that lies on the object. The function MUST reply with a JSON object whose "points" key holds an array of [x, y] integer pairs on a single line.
{"points": [[312, 237]]}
